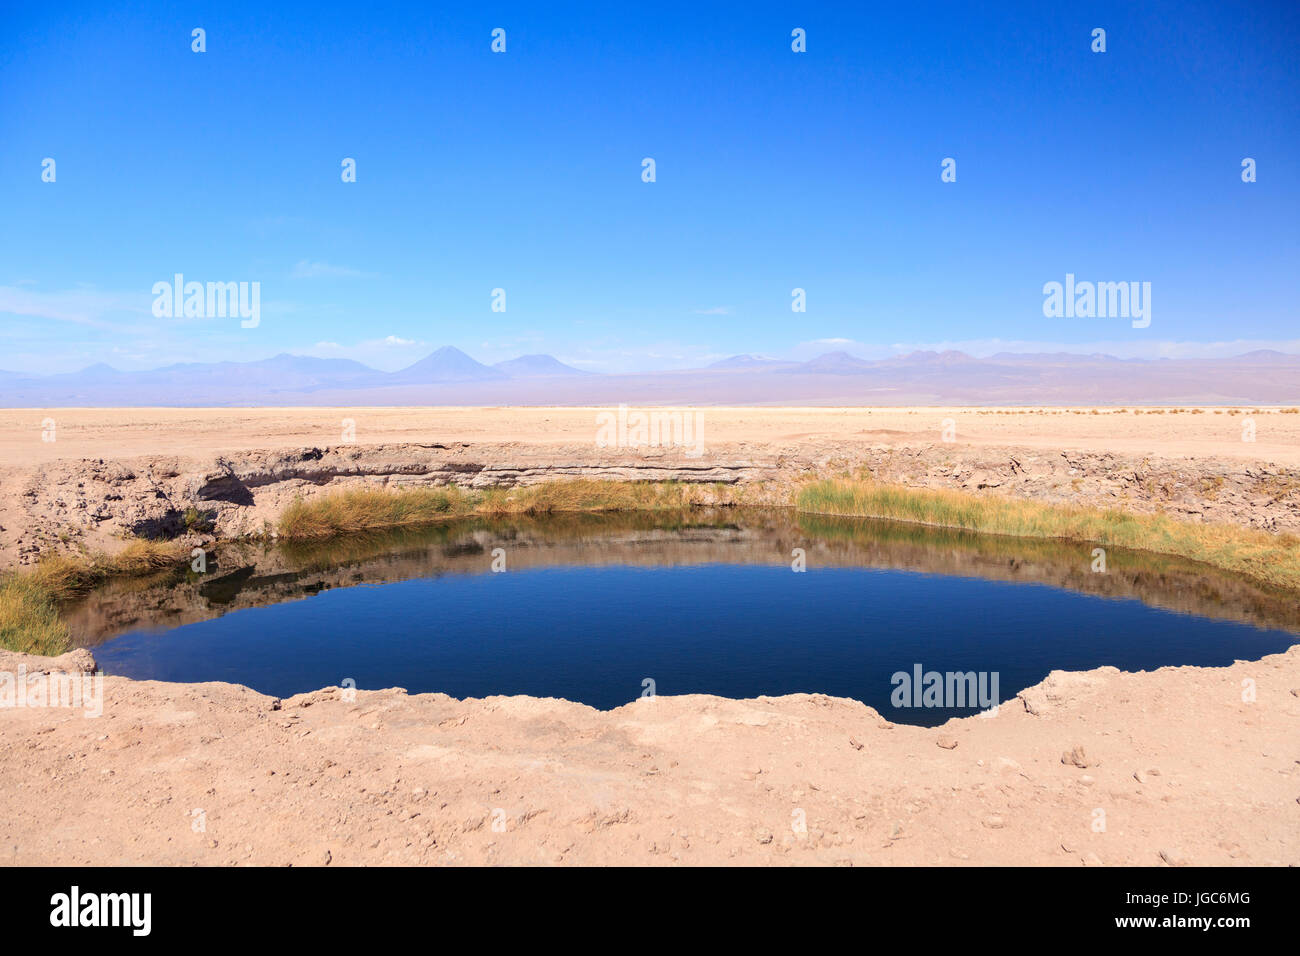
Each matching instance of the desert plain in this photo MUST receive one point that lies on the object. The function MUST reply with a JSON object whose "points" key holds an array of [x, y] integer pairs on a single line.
{"points": [[1185, 768]]}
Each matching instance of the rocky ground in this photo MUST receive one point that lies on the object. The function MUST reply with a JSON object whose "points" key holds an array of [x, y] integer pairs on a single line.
{"points": [[72, 504], [73, 479], [1178, 766], [1094, 768]]}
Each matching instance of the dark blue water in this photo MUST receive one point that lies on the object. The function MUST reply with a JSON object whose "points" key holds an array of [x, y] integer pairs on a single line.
{"points": [[593, 634]]}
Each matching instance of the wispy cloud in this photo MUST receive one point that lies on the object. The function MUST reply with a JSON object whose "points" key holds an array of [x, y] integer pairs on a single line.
{"points": [[82, 305], [981, 348], [716, 310], [388, 353]]}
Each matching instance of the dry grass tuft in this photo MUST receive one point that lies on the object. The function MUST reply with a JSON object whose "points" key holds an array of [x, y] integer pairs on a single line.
{"points": [[369, 509], [372, 509], [586, 495], [29, 618], [1268, 558], [29, 600]]}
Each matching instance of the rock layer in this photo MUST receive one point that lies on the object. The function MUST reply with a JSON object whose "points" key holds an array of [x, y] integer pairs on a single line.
{"points": [[59, 504]]}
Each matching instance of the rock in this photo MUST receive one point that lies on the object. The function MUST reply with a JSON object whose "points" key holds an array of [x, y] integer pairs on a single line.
{"points": [[994, 822], [1174, 857], [947, 743], [855, 744], [1078, 758], [1092, 859], [78, 661], [1061, 688]]}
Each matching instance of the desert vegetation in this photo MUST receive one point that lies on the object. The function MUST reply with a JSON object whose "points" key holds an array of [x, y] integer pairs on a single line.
{"points": [[1268, 558], [30, 599], [370, 509]]}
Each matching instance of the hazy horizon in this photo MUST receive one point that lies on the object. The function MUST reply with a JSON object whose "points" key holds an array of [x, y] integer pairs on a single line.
{"points": [[449, 376]]}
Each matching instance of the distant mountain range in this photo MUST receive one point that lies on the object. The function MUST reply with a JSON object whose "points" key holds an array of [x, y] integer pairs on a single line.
{"points": [[450, 377]]}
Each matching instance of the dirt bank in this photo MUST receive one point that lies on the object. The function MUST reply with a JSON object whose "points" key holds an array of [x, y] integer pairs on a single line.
{"points": [[1085, 768], [70, 504]]}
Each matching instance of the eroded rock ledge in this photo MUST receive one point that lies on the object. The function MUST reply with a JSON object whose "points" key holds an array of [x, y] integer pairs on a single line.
{"points": [[96, 501]]}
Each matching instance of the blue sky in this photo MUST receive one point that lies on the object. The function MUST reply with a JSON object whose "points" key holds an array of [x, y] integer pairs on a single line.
{"points": [[522, 171]]}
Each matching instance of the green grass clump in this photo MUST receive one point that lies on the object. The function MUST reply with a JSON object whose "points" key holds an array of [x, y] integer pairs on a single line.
{"points": [[375, 509], [29, 599], [369, 509], [29, 617], [1269, 558]]}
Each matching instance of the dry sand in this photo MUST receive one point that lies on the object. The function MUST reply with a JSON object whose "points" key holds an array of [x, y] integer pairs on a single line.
{"points": [[131, 432], [1171, 767], [1176, 766]]}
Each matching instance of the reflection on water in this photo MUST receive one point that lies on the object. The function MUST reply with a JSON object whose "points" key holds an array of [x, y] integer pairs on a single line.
{"points": [[700, 602], [252, 575]]}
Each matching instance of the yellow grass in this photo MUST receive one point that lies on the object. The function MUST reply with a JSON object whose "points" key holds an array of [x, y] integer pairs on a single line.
{"points": [[29, 619], [29, 600], [371, 509], [1268, 558], [586, 495]]}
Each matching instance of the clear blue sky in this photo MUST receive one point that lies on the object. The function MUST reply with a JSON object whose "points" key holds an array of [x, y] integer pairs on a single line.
{"points": [[522, 171]]}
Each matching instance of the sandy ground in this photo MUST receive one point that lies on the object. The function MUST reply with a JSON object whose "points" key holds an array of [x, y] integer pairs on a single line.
{"points": [[1176, 766], [132, 432], [109, 475], [1094, 768]]}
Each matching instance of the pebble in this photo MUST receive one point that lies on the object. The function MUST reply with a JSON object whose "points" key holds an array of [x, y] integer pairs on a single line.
{"points": [[1174, 857], [947, 743], [1078, 758], [994, 822]]}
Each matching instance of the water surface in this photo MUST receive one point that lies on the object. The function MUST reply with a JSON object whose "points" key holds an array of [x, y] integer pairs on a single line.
{"points": [[589, 608]]}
